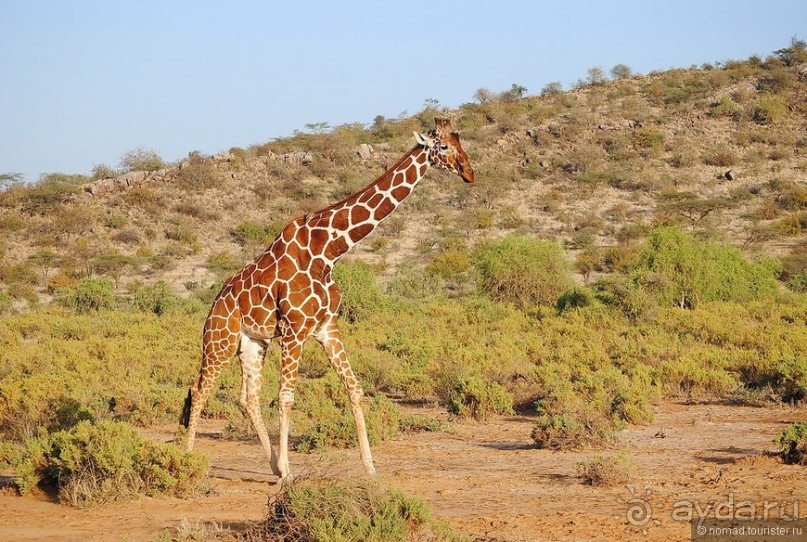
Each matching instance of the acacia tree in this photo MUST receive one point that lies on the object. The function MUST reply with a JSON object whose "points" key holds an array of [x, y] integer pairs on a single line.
{"points": [[46, 260], [621, 71], [115, 264]]}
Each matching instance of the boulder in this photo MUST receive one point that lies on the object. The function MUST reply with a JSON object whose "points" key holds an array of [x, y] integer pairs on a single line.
{"points": [[365, 151], [131, 179]]}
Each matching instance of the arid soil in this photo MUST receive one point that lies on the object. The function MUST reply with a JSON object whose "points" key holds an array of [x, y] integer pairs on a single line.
{"points": [[486, 479]]}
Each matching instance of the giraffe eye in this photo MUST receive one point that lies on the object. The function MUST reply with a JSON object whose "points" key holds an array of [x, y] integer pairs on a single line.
{"points": [[443, 147]]}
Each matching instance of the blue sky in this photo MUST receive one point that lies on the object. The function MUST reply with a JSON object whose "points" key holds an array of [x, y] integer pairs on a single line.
{"points": [[84, 81]]}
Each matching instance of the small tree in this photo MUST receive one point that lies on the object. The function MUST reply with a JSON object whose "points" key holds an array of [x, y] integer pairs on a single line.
{"points": [[8, 180], [683, 272], [596, 76], [91, 295], [553, 87], [621, 71], [157, 298], [690, 206], [115, 264], [141, 159], [103, 171], [516, 92], [317, 127], [46, 260], [795, 54], [483, 95]]}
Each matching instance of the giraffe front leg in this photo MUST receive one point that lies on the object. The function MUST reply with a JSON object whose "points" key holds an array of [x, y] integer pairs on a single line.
{"points": [[331, 340], [291, 348]]}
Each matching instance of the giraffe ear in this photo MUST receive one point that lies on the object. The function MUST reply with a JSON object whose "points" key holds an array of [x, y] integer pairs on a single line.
{"points": [[422, 139]]}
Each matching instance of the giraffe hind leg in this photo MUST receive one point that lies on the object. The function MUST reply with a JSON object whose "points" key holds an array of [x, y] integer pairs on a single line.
{"points": [[215, 356], [185, 417], [251, 353]]}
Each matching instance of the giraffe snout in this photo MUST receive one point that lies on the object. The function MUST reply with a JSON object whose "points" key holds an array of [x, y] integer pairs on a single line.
{"points": [[467, 173]]}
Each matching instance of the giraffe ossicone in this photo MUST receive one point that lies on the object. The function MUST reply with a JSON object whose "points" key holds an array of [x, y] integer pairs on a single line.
{"points": [[288, 293]]}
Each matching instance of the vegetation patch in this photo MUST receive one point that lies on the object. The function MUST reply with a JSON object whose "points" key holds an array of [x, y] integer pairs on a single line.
{"points": [[310, 511], [607, 470], [682, 271], [524, 271], [93, 463], [792, 444]]}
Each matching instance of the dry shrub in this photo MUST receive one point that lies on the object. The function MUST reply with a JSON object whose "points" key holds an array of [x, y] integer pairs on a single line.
{"points": [[94, 463], [721, 157], [308, 511], [607, 471]]}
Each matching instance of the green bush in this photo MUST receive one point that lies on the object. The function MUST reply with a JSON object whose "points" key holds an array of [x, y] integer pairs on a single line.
{"points": [[60, 366], [6, 302], [50, 191], [223, 263], [198, 174], [681, 271], [10, 454], [361, 294], [94, 463], [476, 398], [792, 444], [769, 110], [450, 264], [524, 271], [797, 283], [784, 378], [631, 299], [338, 511], [574, 298], [416, 423], [90, 294], [329, 418], [580, 404], [158, 298], [252, 233], [141, 159], [649, 139]]}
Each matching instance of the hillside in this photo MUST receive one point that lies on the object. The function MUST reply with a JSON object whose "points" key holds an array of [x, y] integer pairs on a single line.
{"points": [[627, 275], [593, 168]]}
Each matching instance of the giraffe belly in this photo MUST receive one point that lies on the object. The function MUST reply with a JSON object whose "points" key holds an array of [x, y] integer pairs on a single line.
{"points": [[258, 327]]}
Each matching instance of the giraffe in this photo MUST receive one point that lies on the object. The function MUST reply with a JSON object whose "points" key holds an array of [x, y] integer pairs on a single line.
{"points": [[288, 293]]}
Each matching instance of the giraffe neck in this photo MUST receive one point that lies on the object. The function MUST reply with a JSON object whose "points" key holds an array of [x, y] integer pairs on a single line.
{"points": [[355, 217]]}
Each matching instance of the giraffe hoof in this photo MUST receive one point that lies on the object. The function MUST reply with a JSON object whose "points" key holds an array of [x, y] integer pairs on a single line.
{"points": [[286, 480]]}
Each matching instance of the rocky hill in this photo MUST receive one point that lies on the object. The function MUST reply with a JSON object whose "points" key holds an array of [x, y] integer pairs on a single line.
{"points": [[719, 150]]}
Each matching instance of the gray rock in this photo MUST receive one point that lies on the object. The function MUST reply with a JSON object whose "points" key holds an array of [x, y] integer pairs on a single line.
{"points": [[365, 151]]}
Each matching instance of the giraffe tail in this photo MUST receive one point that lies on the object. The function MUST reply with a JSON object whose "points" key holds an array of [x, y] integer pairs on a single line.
{"points": [[185, 419]]}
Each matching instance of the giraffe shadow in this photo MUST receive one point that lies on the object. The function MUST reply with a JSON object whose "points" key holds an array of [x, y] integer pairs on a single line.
{"points": [[245, 475], [557, 477], [729, 455], [508, 446]]}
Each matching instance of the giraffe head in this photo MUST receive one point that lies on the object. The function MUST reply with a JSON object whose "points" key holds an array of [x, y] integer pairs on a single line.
{"points": [[445, 151]]}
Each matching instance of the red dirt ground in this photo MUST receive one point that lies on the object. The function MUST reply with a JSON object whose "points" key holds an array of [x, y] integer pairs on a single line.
{"points": [[483, 478]]}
